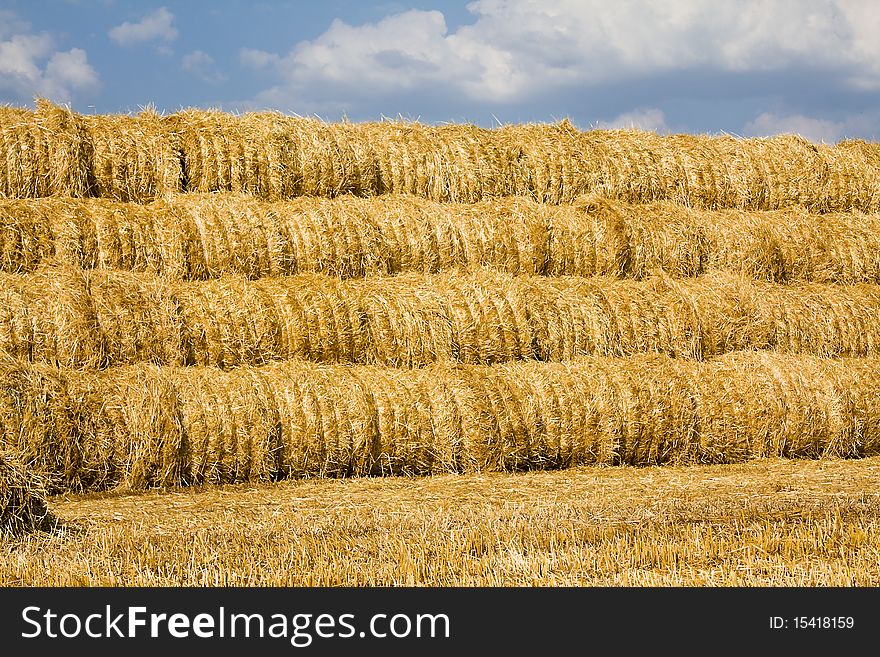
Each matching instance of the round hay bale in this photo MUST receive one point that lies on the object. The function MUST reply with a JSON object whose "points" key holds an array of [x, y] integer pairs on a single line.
{"points": [[461, 417], [38, 421], [407, 321], [23, 506], [566, 324], [225, 323], [489, 317], [316, 317], [336, 237], [328, 420], [665, 236], [137, 318], [47, 152], [134, 157], [235, 234], [508, 235], [25, 235], [231, 424], [590, 237], [628, 166], [697, 173], [402, 416], [550, 163], [136, 417], [852, 177], [62, 316]]}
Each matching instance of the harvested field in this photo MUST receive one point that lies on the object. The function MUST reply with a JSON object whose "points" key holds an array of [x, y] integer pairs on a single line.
{"points": [[768, 522], [202, 236], [145, 426]]}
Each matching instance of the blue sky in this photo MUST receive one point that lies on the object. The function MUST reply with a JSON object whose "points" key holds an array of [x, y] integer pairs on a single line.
{"points": [[746, 67]]}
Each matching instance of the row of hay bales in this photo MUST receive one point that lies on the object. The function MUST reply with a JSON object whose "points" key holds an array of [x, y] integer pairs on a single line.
{"points": [[53, 151], [202, 236], [147, 426], [102, 318]]}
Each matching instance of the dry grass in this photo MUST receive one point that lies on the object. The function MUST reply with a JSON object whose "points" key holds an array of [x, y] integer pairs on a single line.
{"points": [[144, 425], [765, 523]]}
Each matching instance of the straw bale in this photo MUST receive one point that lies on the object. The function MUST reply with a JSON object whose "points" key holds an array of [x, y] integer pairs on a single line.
{"points": [[231, 424], [590, 237], [38, 422], [823, 320], [137, 318], [473, 166], [315, 317], [489, 317], [853, 177], [665, 236], [408, 322], [550, 163], [25, 236], [45, 152], [698, 174], [135, 414], [857, 382], [338, 237], [754, 405], [62, 325], [23, 506], [225, 323], [654, 315], [134, 157], [328, 419], [509, 235], [233, 234], [401, 413], [409, 162]]}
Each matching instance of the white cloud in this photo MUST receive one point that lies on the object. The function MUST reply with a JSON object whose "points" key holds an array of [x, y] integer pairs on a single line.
{"points": [[515, 49], [257, 59], [201, 65], [651, 119], [30, 64], [814, 129], [152, 27]]}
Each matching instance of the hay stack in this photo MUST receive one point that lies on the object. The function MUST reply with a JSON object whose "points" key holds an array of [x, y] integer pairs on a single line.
{"points": [[134, 157], [45, 152], [23, 505]]}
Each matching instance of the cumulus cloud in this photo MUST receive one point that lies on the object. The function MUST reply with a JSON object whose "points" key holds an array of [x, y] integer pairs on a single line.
{"points": [[31, 65], [201, 65], [814, 129], [516, 49], [156, 26], [652, 119]]}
